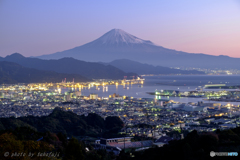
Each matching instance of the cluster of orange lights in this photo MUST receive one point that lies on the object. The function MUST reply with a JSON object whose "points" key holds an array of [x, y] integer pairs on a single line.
{"points": [[219, 115]]}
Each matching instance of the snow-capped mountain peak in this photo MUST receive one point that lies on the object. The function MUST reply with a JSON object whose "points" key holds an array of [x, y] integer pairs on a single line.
{"points": [[119, 36]]}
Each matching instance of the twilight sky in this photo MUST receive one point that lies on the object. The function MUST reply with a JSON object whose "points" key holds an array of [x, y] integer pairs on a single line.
{"points": [[37, 27]]}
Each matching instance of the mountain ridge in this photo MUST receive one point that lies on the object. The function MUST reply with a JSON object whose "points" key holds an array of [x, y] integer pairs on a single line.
{"points": [[91, 70], [11, 73], [144, 52], [140, 68]]}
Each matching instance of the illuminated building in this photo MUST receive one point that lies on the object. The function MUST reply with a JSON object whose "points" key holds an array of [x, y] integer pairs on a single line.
{"points": [[93, 96]]}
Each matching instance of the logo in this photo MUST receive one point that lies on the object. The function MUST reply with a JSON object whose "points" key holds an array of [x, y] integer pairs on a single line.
{"points": [[212, 154]]}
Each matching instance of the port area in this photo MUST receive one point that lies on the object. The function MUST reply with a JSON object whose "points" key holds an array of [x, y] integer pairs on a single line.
{"points": [[222, 95]]}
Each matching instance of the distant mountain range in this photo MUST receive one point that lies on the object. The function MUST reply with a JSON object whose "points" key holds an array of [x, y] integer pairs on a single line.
{"points": [[118, 44], [91, 70], [140, 68], [11, 73]]}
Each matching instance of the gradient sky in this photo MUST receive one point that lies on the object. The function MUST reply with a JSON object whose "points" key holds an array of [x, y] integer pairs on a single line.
{"points": [[37, 27]]}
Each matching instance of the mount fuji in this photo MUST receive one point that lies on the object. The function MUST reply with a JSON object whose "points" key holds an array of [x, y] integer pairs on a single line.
{"points": [[118, 44]]}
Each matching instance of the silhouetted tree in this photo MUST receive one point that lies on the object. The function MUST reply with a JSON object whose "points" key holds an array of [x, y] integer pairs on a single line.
{"points": [[73, 150]]}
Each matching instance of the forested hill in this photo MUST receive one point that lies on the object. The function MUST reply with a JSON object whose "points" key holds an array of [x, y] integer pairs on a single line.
{"points": [[14, 73], [67, 123]]}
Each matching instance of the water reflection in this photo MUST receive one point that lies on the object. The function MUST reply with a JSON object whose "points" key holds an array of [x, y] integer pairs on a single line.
{"points": [[152, 83]]}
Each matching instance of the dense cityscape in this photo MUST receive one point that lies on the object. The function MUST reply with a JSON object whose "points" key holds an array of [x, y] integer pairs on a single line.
{"points": [[147, 122], [165, 115]]}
